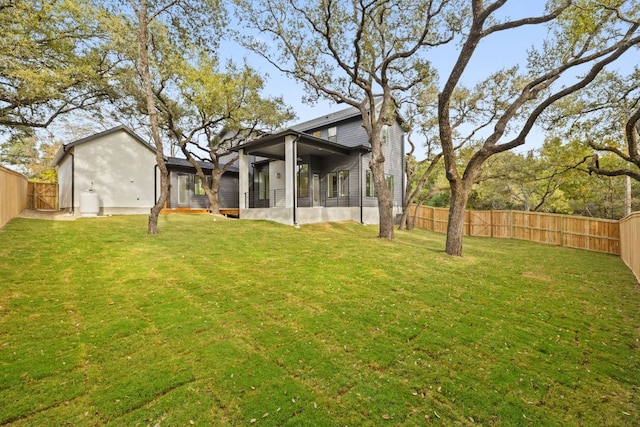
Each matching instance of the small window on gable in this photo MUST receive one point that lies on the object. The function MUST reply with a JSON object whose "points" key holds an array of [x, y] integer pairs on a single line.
{"points": [[332, 134], [317, 134]]}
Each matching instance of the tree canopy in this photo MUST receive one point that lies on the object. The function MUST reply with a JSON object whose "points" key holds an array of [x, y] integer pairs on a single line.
{"points": [[52, 61], [363, 54], [584, 37]]}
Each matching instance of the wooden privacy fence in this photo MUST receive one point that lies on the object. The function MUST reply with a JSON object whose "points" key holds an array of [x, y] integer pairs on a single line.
{"points": [[599, 235], [13, 194], [43, 196], [630, 242]]}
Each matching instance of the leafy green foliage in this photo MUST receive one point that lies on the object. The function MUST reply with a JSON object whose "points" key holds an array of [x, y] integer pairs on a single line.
{"points": [[310, 326], [32, 156], [51, 61]]}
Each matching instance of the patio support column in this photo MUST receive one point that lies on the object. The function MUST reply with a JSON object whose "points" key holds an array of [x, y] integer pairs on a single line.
{"points": [[243, 179], [290, 174]]}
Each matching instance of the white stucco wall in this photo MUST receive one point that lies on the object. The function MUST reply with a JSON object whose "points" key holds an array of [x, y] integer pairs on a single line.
{"points": [[120, 169]]}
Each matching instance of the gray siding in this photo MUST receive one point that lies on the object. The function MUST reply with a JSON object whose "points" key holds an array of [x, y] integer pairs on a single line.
{"points": [[227, 197], [394, 161], [351, 134], [337, 163]]}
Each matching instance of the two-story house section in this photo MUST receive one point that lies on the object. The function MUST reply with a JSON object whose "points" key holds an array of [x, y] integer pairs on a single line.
{"points": [[318, 171]]}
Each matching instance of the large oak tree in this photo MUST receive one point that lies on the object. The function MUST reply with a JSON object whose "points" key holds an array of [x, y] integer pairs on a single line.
{"points": [[208, 110], [52, 61], [361, 53], [141, 31], [584, 37], [607, 117]]}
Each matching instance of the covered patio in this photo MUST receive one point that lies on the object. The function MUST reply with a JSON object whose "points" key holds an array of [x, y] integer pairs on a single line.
{"points": [[283, 177]]}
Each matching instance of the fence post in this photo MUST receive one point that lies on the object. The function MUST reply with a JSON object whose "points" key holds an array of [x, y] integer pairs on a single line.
{"points": [[433, 218], [491, 222], [35, 195], [511, 224]]}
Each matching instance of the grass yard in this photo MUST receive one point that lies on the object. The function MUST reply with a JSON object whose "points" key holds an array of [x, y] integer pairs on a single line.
{"points": [[253, 323]]}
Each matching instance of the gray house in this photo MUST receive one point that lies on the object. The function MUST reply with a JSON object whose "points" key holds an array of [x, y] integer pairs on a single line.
{"points": [[318, 171]]}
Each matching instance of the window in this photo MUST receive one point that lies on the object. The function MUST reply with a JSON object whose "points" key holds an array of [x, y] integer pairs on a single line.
{"points": [[370, 190], [183, 189], [303, 180], [370, 186], [263, 185], [384, 134], [332, 184], [343, 183], [338, 184], [317, 134], [198, 187], [332, 134]]}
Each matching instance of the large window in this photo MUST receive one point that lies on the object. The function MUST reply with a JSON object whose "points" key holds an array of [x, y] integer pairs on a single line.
{"points": [[183, 189], [263, 185], [389, 179], [303, 180], [371, 190], [338, 184], [343, 183], [370, 186], [198, 187]]}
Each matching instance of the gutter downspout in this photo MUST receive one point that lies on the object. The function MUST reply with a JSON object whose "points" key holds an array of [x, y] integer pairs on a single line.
{"points": [[73, 178]]}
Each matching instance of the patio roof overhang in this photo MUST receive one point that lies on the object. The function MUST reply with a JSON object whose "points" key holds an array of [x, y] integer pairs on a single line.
{"points": [[273, 146]]}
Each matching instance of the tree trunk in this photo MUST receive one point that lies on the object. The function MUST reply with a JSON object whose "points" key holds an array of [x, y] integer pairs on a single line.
{"points": [[404, 220], [627, 196], [152, 226], [455, 227], [411, 224], [145, 75], [385, 204], [213, 193]]}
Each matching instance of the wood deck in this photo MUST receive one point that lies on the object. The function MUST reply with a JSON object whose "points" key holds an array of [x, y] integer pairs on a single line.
{"points": [[184, 210], [224, 211], [230, 212]]}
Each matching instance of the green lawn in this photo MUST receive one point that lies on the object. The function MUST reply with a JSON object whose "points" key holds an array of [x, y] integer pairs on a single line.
{"points": [[254, 323]]}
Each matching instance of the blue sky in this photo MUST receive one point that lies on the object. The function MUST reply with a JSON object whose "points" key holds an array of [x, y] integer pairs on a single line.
{"points": [[498, 51]]}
